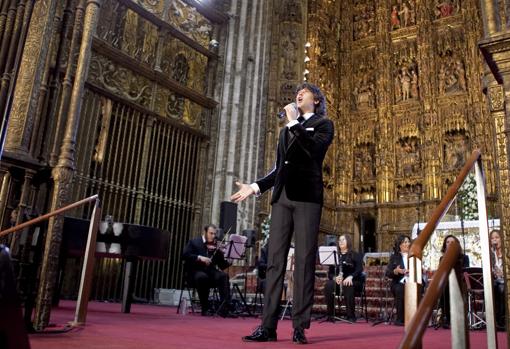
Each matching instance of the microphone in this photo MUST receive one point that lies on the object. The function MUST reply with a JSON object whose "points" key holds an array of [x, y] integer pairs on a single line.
{"points": [[282, 114]]}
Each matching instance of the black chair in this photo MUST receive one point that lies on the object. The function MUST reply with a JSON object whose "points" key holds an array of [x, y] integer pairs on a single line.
{"points": [[476, 306], [361, 308], [191, 290]]}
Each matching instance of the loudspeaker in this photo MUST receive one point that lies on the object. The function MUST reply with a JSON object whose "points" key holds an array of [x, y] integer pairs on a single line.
{"points": [[228, 217], [330, 240], [251, 237]]}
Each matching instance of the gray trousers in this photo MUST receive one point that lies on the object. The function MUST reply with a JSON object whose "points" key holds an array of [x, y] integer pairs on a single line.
{"points": [[302, 219]]}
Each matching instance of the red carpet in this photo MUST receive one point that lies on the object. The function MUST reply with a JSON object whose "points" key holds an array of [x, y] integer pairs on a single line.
{"points": [[153, 327]]}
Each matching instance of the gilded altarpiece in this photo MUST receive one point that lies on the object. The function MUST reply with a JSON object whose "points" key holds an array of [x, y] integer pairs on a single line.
{"points": [[410, 106]]}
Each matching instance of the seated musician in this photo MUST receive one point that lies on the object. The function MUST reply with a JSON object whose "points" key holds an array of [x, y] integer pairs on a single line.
{"points": [[498, 278], [346, 279], [397, 271], [462, 262], [203, 263]]}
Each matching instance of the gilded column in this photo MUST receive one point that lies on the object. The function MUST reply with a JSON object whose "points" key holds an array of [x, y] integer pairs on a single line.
{"points": [[429, 125], [384, 140], [29, 78], [63, 172], [4, 191]]}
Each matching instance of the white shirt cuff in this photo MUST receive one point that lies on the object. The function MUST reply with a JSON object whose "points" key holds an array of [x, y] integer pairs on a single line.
{"points": [[292, 123], [256, 188]]}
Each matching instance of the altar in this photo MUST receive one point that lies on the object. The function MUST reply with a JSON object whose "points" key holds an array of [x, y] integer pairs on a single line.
{"points": [[468, 234]]}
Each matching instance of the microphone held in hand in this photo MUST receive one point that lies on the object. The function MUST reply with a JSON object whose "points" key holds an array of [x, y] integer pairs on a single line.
{"points": [[282, 114]]}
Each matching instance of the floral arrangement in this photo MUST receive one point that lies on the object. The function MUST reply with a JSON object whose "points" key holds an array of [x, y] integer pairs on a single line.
{"points": [[467, 198], [264, 229]]}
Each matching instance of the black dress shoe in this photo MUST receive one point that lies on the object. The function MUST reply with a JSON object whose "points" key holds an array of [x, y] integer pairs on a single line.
{"points": [[261, 334], [299, 336]]}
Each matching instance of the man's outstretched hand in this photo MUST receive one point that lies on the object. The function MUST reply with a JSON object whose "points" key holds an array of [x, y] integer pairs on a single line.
{"points": [[245, 190]]}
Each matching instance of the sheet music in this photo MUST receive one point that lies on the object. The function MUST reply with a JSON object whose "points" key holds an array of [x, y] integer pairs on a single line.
{"points": [[327, 255], [235, 247]]}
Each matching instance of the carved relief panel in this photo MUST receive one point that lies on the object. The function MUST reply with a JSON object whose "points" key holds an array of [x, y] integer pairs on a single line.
{"points": [[363, 19], [364, 79], [405, 72], [450, 53], [455, 150], [188, 20], [403, 14], [445, 8], [364, 162], [408, 157]]}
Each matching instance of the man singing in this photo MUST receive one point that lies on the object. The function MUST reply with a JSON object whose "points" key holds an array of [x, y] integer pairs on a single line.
{"points": [[202, 259], [296, 202]]}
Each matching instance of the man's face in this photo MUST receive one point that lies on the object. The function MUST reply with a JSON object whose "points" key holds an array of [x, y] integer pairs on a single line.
{"points": [[305, 101], [210, 234]]}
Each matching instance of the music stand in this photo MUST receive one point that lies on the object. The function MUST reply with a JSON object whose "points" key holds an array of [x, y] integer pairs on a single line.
{"points": [[289, 268], [235, 249], [328, 255]]}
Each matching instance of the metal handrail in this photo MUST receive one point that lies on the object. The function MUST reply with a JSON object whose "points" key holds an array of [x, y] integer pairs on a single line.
{"points": [[48, 215], [416, 249], [418, 324], [417, 317], [88, 262]]}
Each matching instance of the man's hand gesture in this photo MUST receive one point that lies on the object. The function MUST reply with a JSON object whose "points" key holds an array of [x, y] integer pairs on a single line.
{"points": [[245, 190]]}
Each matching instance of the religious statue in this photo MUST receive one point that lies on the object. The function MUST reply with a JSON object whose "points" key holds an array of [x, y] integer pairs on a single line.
{"points": [[444, 8], [461, 77], [405, 80], [395, 20], [414, 84]]}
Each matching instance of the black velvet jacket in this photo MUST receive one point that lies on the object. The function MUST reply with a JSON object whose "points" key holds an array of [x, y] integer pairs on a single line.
{"points": [[299, 160], [196, 247]]}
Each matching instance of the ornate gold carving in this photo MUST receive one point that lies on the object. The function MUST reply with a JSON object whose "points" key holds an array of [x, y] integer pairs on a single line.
{"points": [[363, 19], [29, 77], [403, 14], [405, 76], [364, 77], [119, 80], [452, 71], [496, 98], [446, 8], [408, 157]]}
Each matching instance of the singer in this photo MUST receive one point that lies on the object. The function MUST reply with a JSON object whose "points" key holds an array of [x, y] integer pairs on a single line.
{"points": [[296, 201]]}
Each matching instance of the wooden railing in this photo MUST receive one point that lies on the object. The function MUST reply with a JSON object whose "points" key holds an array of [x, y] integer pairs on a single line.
{"points": [[417, 318], [88, 262]]}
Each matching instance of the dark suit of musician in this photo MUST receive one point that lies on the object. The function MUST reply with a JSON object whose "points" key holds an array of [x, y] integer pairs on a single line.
{"points": [[297, 198], [350, 266], [201, 266], [397, 271]]}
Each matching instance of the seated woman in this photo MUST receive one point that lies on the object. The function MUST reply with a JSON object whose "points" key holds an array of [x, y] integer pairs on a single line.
{"points": [[348, 277], [498, 277], [463, 262], [397, 271]]}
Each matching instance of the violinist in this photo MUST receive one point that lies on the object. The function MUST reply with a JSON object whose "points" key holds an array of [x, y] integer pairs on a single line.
{"points": [[203, 263]]}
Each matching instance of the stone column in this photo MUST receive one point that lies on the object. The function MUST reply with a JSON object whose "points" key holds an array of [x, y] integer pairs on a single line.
{"points": [[237, 139]]}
